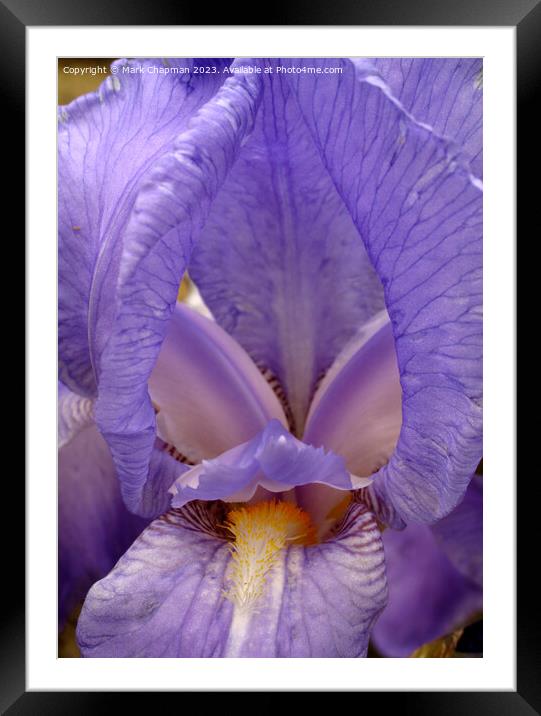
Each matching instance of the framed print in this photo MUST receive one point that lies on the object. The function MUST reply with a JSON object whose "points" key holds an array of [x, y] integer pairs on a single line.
{"points": [[271, 289]]}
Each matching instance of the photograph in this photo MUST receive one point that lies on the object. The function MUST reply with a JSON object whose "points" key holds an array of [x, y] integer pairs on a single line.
{"points": [[270, 357]]}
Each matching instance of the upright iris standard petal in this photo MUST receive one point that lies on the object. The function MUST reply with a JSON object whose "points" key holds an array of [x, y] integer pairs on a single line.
{"points": [[435, 578], [357, 412], [418, 208], [209, 394], [274, 460], [168, 596], [279, 262], [446, 94], [168, 214], [94, 526], [357, 409], [107, 142]]}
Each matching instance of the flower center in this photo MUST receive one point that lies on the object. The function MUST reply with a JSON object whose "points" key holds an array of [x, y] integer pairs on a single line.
{"points": [[260, 532]]}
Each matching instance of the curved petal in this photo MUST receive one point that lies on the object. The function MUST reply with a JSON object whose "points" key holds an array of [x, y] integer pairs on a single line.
{"points": [[94, 527], [446, 94], [434, 578], [209, 393], [165, 597], [274, 460], [107, 141], [357, 410], [168, 214], [279, 263], [418, 208]]}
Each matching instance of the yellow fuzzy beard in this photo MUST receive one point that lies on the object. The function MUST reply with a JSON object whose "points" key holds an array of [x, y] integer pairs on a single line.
{"points": [[260, 532]]}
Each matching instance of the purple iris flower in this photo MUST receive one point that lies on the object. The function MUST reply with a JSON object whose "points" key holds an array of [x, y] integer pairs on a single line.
{"points": [[330, 214]]}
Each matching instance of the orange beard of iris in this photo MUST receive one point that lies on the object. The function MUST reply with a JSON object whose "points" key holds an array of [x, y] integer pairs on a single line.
{"points": [[260, 532]]}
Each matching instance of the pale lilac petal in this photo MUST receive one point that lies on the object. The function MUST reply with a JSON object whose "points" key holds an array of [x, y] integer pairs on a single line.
{"points": [[418, 208], [209, 393], [273, 459], [107, 142], [165, 597], [357, 410], [279, 262]]}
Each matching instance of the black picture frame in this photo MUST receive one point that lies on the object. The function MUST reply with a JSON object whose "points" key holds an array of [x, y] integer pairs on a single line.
{"points": [[525, 16]]}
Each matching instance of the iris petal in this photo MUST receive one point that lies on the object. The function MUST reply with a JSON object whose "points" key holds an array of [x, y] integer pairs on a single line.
{"points": [[418, 208], [274, 459], [446, 94], [356, 411], [94, 526], [434, 576], [161, 471], [165, 597], [460, 534], [167, 216], [279, 262], [75, 413], [210, 394], [107, 142]]}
